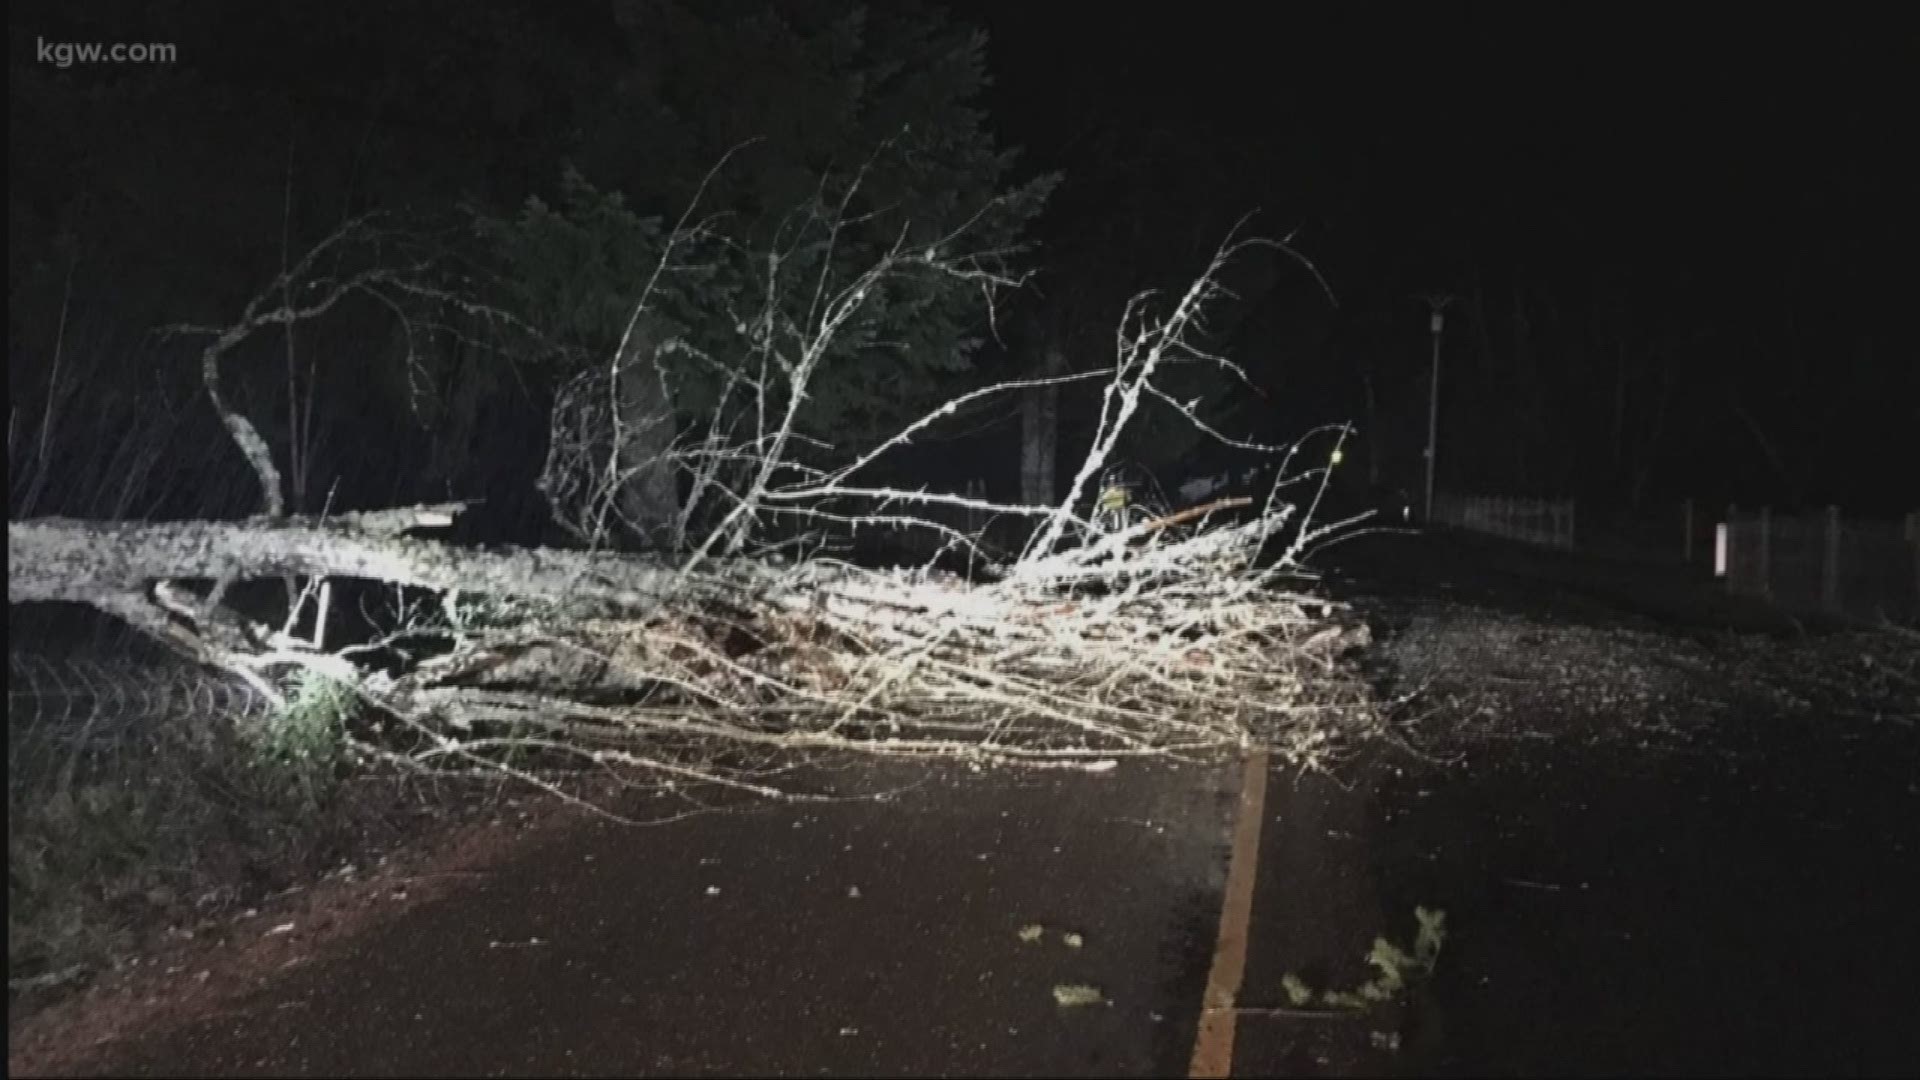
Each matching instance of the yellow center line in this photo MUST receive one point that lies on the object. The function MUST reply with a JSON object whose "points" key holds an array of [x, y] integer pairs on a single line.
{"points": [[1213, 1044]]}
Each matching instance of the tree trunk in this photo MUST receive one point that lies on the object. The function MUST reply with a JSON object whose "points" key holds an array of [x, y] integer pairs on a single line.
{"points": [[1650, 453], [1040, 432], [1376, 441], [129, 570], [644, 427], [1525, 407], [455, 419], [85, 561], [1619, 405]]}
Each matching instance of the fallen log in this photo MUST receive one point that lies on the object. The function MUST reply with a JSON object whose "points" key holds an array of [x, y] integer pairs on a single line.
{"points": [[67, 559]]}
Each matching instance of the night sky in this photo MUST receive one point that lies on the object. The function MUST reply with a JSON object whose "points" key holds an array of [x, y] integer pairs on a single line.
{"points": [[1677, 242]]}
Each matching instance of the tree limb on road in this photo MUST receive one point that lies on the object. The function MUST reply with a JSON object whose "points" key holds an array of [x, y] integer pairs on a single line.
{"points": [[74, 560]]}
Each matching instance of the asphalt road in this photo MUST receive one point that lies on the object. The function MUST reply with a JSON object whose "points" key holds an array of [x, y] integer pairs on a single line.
{"points": [[1672, 835], [854, 938]]}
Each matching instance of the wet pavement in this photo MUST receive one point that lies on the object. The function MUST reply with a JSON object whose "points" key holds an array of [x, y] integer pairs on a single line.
{"points": [[851, 938], [1684, 918], [1662, 848]]}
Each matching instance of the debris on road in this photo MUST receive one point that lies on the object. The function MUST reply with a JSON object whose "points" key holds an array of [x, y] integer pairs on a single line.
{"points": [[1072, 995]]}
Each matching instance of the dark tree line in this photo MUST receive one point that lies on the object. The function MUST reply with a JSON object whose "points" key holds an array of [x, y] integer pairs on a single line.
{"points": [[1659, 290], [536, 159], [1676, 251]]}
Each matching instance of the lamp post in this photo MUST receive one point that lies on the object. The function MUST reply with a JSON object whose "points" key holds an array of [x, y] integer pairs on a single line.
{"points": [[1437, 302]]}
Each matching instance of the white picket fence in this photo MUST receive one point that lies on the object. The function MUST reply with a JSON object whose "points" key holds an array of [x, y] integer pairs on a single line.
{"points": [[1536, 521], [1818, 562], [1822, 561]]}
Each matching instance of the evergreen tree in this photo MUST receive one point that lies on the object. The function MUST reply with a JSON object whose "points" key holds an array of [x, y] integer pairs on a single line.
{"points": [[809, 143]]}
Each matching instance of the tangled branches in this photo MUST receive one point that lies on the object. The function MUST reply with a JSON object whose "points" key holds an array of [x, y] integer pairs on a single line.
{"points": [[734, 648], [1168, 636], [1179, 659]]}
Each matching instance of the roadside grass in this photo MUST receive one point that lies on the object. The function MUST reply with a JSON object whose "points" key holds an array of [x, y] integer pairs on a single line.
{"points": [[190, 819]]}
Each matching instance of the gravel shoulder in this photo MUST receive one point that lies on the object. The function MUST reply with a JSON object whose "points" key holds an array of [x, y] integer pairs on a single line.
{"points": [[1670, 837]]}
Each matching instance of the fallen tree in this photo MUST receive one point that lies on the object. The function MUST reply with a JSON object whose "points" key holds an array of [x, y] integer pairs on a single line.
{"points": [[86, 561], [743, 647], [1178, 648]]}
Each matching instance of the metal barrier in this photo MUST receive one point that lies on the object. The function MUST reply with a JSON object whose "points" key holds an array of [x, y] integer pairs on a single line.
{"points": [[67, 715]]}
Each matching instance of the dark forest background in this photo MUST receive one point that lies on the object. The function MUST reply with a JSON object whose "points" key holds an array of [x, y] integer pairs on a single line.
{"points": [[1677, 245]]}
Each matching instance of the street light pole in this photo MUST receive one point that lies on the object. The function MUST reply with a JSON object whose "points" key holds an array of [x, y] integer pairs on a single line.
{"points": [[1438, 303]]}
